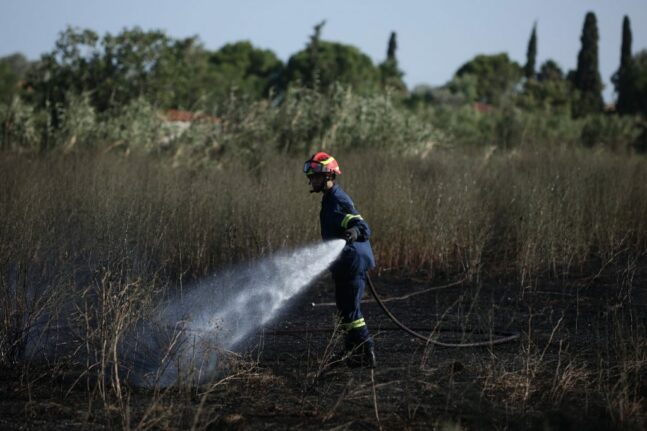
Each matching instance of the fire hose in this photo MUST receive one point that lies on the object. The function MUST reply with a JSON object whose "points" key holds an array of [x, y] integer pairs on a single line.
{"points": [[504, 338]]}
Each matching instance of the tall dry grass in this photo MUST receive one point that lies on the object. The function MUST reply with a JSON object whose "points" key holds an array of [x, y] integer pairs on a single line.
{"points": [[524, 213], [515, 213], [102, 238]]}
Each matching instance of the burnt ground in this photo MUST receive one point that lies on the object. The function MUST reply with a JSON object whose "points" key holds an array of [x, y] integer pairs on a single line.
{"points": [[580, 363]]}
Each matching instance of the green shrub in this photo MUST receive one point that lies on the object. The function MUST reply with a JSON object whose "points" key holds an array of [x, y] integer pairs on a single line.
{"points": [[307, 120], [78, 130], [303, 121], [19, 127], [134, 128], [614, 132]]}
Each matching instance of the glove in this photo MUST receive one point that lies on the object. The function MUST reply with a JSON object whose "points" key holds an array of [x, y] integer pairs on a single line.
{"points": [[351, 235]]}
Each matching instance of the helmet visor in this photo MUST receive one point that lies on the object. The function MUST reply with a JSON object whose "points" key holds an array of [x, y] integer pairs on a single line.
{"points": [[307, 168], [310, 168]]}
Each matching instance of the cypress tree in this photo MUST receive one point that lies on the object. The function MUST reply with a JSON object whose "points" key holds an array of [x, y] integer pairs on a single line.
{"points": [[622, 79], [625, 52], [586, 79], [531, 54], [390, 51], [391, 76]]}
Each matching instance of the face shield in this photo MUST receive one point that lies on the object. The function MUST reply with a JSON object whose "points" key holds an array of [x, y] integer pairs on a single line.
{"points": [[307, 168]]}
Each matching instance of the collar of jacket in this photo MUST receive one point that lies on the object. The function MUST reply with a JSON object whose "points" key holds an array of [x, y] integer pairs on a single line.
{"points": [[331, 190]]}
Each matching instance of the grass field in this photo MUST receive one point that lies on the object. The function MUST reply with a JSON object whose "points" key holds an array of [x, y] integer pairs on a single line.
{"points": [[552, 244]]}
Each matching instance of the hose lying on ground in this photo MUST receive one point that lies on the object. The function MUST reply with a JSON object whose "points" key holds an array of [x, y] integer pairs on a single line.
{"points": [[504, 339]]}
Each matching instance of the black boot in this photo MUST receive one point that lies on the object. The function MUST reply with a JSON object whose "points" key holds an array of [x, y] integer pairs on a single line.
{"points": [[362, 357], [337, 358], [369, 358]]}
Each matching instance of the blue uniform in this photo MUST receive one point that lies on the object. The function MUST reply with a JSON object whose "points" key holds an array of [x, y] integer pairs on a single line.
{"points": [[349, 271]]}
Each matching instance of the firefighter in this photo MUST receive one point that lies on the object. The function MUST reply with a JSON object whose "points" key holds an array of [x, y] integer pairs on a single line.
{"points": [[340, 220]]}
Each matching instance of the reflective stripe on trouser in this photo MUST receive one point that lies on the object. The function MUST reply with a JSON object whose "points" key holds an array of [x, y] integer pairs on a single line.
{"points": [[354, 324], [348, 295]]}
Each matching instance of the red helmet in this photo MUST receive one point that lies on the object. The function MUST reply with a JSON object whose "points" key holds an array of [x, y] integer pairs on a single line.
{"points": [[321, 163]]}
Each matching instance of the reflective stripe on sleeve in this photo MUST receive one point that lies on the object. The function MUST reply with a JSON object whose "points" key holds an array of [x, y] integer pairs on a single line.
{"points": [[348, 218], [354, 324]]}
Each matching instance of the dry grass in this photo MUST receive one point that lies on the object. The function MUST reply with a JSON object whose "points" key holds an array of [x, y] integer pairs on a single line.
{"points": [[525, 213], [104, 238]]}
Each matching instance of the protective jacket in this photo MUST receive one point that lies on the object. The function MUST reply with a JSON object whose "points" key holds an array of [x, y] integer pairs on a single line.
{"points": [[337, 214]]}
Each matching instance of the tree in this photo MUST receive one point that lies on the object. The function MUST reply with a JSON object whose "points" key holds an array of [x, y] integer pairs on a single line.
{"points": [[18, 63], [586, 79], [113, 69], [147, 64], [71, 67], [531, 54], [390, 74], [638, 88], [391, 48], [638, 83], [551, 91], [496, 75], [13, 69], [622, 78], [183, 76], [335, 62], [550, 71], [250, 70], [455, 93], [167, 72]]}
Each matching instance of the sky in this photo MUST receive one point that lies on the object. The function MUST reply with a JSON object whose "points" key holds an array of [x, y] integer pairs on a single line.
{"points": [[434, 37]]}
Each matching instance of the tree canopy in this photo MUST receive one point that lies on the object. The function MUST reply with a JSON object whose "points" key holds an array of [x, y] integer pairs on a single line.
{"points": [[113, 70], [117, 69], [496, 76], [171, 73], [550, 91], [336, 62], [251, 70], [12, 70]]}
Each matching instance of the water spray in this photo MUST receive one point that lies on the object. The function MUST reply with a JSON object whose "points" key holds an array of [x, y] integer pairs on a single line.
{"points": [[191, 336], [220, 312], [217, 314]]}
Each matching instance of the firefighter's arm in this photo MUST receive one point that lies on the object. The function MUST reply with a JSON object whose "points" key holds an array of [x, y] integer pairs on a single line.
{"points": [[352, 224], [359, 231]]}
